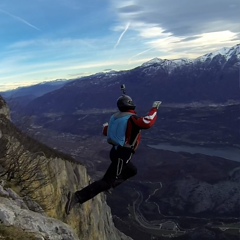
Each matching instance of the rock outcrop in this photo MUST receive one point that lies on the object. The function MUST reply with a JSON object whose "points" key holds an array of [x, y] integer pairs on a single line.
{"points": [[43, 227], [4, 109], [41, 178]]}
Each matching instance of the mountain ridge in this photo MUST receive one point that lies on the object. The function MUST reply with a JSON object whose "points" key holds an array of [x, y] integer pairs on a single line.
{"points": [[214, 80]]}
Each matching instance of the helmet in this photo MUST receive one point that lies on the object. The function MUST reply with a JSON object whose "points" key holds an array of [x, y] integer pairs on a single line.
{"points": [[125, 103]]}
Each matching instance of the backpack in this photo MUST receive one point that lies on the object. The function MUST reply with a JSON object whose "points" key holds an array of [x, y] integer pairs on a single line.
{"points": [[117, 128]]}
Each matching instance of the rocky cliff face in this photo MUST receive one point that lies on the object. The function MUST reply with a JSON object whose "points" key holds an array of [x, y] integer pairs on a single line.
{"points": [[41, 179], [4, 108]]}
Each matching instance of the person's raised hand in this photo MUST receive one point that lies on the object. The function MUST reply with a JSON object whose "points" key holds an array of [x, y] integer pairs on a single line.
{"points": [[156, 104]]}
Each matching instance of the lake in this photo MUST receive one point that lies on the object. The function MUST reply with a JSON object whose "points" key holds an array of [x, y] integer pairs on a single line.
{"points": [[230, 153]]}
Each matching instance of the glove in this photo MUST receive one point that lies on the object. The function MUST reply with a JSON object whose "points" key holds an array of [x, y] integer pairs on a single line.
{"points": [[156, 104], [105, 124], [105, 129]]}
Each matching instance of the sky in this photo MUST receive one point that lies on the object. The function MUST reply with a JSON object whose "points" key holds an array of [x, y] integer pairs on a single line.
{"points": [[42, 40]]}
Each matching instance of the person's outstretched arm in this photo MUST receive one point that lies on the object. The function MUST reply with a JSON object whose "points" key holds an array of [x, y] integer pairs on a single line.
{"points": [[148, 120]]}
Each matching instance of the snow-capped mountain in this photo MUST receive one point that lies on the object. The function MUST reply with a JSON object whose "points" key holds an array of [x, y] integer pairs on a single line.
{"points": [[166, 62], [228, 53], [225, 53], [169, 65]]}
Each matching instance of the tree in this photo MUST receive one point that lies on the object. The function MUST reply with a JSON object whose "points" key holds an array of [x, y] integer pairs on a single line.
{"points": [[22, 161]]}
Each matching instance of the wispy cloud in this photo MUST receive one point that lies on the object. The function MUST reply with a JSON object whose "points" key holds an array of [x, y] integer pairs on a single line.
{"points": [[130, 59], [121, 36], [19, 19], [167, 27], [63, 43]]}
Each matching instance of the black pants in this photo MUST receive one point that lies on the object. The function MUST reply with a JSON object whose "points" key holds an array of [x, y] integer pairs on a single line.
{"points": [[119, 170]]}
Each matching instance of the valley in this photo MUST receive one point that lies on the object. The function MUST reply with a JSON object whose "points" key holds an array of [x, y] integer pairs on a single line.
{"points": [[177, 192]]}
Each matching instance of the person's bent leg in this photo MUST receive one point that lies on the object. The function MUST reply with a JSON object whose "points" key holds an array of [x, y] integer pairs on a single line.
{"points": [[128, 171], [86, 194], [92, 190]]}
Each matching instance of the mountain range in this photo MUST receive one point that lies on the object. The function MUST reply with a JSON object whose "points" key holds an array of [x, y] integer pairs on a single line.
{"points": [[212, 78], [23, 95]]}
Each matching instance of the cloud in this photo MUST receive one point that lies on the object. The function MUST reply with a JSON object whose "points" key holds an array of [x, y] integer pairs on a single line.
{"points": [[168, 26], [198, 45], [20, 19], [187, 39], [130, 8], [143, 52], [122, 34], [62, 43], [185, 17]]}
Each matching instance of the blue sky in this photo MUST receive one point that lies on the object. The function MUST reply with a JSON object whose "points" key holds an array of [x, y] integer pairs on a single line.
{"points": [[45, 40]]}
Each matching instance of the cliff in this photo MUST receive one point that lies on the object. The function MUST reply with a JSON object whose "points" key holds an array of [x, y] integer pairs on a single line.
{"points": [[4, 110], [35, 181]]}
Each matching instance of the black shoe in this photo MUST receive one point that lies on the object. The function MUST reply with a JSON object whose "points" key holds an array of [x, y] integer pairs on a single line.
{"points": [[109, 191], [71, 202]]}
